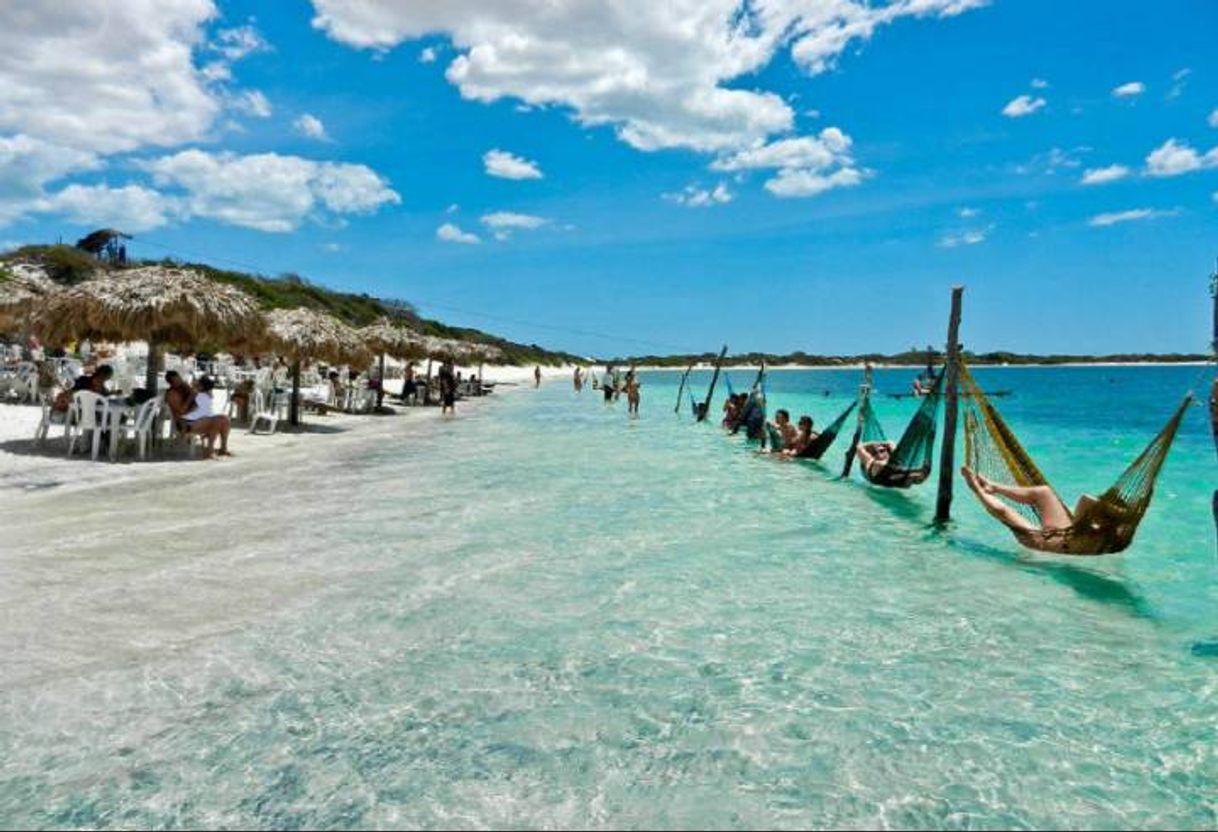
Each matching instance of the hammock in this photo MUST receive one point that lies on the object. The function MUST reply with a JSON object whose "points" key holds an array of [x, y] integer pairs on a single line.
{"points": [[1102, 526], [817, 447], [910, 461]]}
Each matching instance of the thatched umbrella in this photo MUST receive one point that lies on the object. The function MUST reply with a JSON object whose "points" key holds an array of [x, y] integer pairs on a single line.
{"points": [[383, 338], [301, 334], [157, 304], [21, 288]]}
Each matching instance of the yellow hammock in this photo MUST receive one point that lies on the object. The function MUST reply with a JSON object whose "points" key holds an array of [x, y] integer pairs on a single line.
{"points": [[1099, 526]]}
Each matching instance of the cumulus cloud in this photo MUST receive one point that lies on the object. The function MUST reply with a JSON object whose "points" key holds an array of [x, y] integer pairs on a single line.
{"points": [[27, 165], [427, 55], [968, 237], [1117, 217], [1130, 90], [658, 73], [1173, 158], [268, 191], [1100, 176], [450, 233], [501, 220], [252, 103], [505, 165], [1022, 105], [694, 197], [131, 207], [311, 126], [1052, 161], [1039, 84], [238, 42], [806, 165]]}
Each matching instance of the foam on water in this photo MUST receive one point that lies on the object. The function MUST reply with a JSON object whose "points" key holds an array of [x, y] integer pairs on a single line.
{"points": [[544, 615]]}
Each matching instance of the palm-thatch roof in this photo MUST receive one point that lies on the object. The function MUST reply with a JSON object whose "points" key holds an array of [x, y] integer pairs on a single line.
{"points": [[155, 303], [22, 286], [395, 341], [303, 334]]}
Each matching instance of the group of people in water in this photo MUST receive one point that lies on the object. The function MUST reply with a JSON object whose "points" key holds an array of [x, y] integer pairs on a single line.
{"points": [[613, 384]]}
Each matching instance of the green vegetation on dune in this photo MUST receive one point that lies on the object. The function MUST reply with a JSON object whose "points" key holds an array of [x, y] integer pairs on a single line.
{"points": [[68, 265]]}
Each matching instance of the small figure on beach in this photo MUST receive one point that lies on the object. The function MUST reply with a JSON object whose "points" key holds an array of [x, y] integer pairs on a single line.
{"points": [[537, 376], [448, 388], [579, 379], [632, 392]]}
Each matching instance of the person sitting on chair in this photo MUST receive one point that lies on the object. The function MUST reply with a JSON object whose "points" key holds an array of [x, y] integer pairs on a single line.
{"points": [[873, 456]]}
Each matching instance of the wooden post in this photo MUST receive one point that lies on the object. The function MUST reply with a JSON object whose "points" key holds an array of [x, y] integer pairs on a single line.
{"points": [[951, 412], [681, 389], [294, 402], [380, 393], [427, 389], [154, 365], [714, 380], [864, 394]]}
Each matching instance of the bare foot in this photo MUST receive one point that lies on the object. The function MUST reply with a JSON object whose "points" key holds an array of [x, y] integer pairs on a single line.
{"points": [[225, 452]]}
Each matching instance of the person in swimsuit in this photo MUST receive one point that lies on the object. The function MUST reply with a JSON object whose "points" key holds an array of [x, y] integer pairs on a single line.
{"points": [[803, 437], [537, 376], [873, 456], [448, 388], [781, 430], [607, 384], [579, 380], [632, 392]]}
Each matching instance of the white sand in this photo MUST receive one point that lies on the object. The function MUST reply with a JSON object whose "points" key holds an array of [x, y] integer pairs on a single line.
{"points": [[25, 468]]}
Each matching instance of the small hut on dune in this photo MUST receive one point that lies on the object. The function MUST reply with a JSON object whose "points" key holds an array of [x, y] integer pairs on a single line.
{"points": [[302, 334], [160, 305]]}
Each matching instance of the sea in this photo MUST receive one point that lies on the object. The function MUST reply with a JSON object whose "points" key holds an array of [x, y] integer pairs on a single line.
{"points": [[546, 614]]}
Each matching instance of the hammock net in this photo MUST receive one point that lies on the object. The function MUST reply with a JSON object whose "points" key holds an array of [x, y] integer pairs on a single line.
{"points": [[910, 462], [817, 447], [1103, 526]]}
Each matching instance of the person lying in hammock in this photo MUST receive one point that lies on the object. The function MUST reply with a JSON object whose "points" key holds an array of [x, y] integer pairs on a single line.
{"points": [[1055, 518], [874, 456], [804, 437]]}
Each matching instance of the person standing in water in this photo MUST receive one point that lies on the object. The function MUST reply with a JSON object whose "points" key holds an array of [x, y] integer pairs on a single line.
{"points": [[607, 383], [448, 388], [579, 379], [632, 392]]}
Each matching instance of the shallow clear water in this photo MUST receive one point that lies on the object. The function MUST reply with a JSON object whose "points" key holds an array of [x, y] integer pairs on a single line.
{"points": [[543, 614]]}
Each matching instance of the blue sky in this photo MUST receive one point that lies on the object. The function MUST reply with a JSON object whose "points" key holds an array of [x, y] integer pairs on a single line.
{"points": [[814, 178]]}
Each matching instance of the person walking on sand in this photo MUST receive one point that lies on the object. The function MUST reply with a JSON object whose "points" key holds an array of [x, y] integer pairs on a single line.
{"points": [[448, 388], [537, 376]]}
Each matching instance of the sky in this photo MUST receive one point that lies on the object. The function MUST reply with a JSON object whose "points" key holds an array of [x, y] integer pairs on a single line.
{"points": [[618, 177]]}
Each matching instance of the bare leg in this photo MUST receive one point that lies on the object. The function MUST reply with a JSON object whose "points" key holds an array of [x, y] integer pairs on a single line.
{"points": [[997, 508], [1053, 513], [225, 428]]}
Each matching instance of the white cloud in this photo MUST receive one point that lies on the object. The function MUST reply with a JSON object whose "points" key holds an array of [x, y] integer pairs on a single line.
{"points": [[1100, 176], [501, 220], [967, 213], [268, 191], [428, 55], [658, 73], [1023, 105], [450, 233], [969, 237], [1130, 90], [505, 165], [129, 208], [1104, 220], [1173, 158], [236, 43], [1040, 84], [1179, 79], [807, 165], [695, 197], [1213, 119], [311, 126], [1053, 161], [105, 77], [252, 103], [27, 165], [452, 209]]}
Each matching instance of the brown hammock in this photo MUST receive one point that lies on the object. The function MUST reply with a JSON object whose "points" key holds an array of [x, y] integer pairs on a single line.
{"points": [[1101, 526]]}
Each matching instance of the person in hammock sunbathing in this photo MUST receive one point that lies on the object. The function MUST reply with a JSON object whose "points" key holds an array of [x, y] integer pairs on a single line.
{"points": [[1054, 516], [804, 436], [874, 456]]}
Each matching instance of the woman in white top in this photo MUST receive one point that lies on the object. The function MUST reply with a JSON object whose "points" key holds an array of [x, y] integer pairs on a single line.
{"points": [[202, 421]]}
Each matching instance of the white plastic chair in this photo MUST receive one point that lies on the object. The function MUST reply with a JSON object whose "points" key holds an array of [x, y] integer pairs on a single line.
{"points": [[140, 430], [90, 412], [261, 413]]}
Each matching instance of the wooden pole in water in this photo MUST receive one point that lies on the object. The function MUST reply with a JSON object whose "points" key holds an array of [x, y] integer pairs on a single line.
{"points": [[681, 389], [714, 380], [1214, 388], [951, 412], [864, 394]]}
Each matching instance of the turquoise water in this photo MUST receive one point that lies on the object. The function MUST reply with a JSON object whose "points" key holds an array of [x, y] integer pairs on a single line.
{"points": [[543, 614]]}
